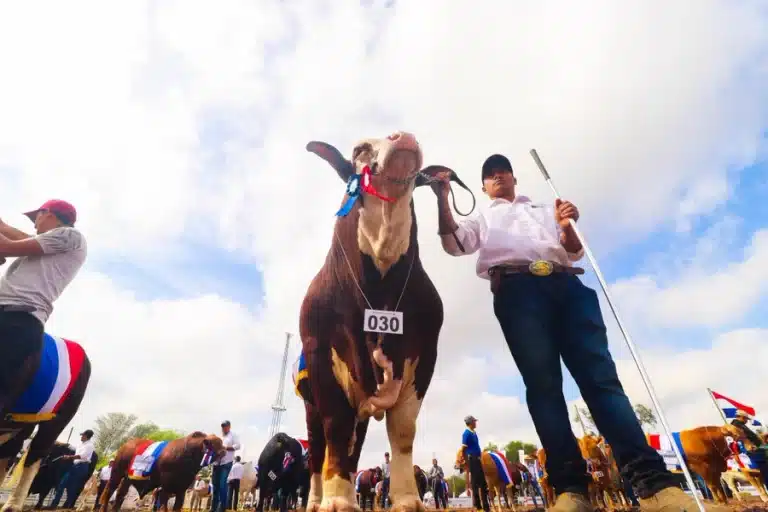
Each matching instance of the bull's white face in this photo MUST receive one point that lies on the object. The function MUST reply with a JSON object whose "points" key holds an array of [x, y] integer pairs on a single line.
{"points": [[394, 161]]}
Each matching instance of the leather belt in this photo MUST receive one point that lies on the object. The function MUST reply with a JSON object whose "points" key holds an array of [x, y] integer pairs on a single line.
{"points": [[16, 308], [540, 268], [537, 268]]}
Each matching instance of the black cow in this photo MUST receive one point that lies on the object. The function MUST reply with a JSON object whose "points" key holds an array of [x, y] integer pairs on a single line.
{"points": [[283, 468], [53, 469]]}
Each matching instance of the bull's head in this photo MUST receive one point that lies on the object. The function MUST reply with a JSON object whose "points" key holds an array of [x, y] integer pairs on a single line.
{"points": [[738, 435], [394, 163], [377, 475], [460, 462], [215, 445]]}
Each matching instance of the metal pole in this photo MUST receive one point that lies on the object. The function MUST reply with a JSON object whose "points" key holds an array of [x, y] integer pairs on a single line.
{"points": [[627, 338], [717, 406], [72, 429]]}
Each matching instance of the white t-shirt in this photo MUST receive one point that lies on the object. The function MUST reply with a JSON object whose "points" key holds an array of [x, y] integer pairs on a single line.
{"points": [[105, 473]]}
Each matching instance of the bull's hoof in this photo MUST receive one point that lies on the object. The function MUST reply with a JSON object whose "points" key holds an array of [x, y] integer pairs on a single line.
{"points": [[338, 504], [408, 504]]}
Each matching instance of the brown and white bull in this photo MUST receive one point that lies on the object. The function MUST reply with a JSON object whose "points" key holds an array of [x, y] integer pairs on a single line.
{"points": [[373, 264]]}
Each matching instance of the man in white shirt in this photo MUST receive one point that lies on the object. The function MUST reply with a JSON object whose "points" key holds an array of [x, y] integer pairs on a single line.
{"points": [[385, 481], [526, 250], [104, 474], [75, 478], [233, 483], [222, 467]]}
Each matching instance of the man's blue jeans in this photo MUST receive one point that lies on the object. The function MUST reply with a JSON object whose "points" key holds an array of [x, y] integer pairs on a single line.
{"points": [[71, 481], [544, 319], [219, 480]]}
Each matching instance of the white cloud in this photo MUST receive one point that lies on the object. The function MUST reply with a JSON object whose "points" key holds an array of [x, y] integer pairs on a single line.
{"points": [[177, 121], [709, 299]]}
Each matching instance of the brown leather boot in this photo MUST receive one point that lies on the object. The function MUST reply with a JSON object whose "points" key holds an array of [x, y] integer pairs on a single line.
{"points": [[673, 499], [572, 502]]}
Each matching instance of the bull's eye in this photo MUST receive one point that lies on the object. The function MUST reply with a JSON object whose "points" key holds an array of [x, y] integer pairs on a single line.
{"points": [[364, 147]]}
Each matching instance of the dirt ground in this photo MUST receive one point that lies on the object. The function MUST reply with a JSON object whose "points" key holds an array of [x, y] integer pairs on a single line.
{"points": [[743, 506]]}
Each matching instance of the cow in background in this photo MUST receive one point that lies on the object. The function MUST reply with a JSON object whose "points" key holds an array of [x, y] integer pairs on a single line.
{"points": [[496, 486], [46, 404], [421, 481], [706, 452], [52, 470], [173, 472], [365, 484], [369, 322], [282, 471]]}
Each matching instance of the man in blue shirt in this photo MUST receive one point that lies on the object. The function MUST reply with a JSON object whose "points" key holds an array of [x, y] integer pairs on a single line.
{"points": [[470, 446]]}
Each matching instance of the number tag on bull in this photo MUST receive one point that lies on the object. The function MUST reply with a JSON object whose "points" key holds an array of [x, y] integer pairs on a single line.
{"points": [[385, 322]]}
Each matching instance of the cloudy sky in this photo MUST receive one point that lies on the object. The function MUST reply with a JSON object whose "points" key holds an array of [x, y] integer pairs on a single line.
{"points": [[178, 128]]}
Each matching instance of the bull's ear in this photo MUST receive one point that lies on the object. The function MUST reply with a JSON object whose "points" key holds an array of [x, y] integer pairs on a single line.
{"points": [[333, 156]]}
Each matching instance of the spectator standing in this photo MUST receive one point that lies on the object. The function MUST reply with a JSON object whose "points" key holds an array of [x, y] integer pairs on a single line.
{"points": [[222, 467], [104, 474], [470, 445], [437, 477], [199, 486], [233, 483], [385, 481], [75, 478]]}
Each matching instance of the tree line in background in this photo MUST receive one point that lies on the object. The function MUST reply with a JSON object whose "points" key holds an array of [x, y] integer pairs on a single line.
{"points": [[113, 429], [645, 415]]}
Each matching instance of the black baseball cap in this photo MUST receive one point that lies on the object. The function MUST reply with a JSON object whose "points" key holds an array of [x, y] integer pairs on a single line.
{"points": [[494, 162]]}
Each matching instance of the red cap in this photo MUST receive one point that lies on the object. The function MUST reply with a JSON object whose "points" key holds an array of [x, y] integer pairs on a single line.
{"points": [[62, 209]]}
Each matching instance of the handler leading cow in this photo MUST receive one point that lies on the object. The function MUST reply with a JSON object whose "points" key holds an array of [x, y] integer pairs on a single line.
{"points": [[526, 250], [369, 324]]}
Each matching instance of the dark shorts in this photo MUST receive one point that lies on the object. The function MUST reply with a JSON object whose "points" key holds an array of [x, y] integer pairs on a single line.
{"points": [[21, 343]]}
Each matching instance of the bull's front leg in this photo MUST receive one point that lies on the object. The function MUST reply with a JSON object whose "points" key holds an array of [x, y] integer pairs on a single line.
{"points": [[401, 429], [338, 489], [19, 496], [316, 441]]}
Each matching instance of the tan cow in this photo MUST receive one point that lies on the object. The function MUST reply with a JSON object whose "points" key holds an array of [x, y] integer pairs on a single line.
{"points": [[496, 487], [546, 489], [602, 489], [706, 451], [617, 489]]}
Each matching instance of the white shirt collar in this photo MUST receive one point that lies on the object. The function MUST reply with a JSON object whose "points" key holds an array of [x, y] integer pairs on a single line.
{"points": [[517, 200]]}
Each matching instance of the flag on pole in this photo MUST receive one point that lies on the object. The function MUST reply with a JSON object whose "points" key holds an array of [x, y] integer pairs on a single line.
{"points": [[729, 406]]}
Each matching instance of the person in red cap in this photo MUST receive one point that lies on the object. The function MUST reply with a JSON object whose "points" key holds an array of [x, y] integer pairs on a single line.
{"points": [[45, 264]]}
